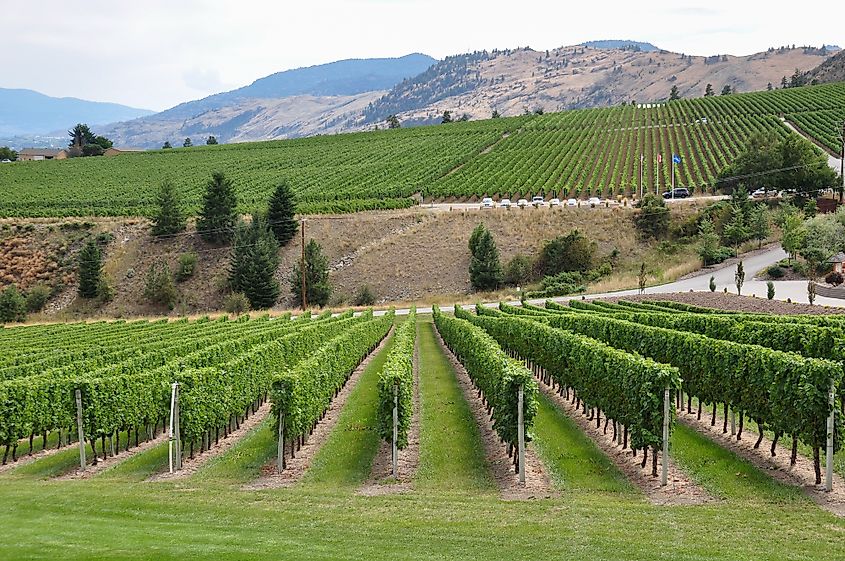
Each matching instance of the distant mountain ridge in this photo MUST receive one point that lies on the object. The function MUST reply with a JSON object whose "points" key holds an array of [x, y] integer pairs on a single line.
{"points": [[30, 112], [622, 44]]}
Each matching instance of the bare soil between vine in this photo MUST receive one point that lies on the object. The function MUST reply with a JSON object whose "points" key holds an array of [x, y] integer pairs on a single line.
{"points": [[296, 467], [680, 488], [801, 475], [26, 458], [538, 484], [191, 465], [381, 481]]}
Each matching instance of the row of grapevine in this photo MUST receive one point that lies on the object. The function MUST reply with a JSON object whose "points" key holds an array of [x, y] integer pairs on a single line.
{"points": [[626, 387], [783, 391], [302, 394], [397, 374], [497, 376]]}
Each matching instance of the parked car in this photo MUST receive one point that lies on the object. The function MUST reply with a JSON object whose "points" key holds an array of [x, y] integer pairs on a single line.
{"points": [[538, 201], [5, 161], [487, 202], [677, 193], [572, 202], [522, 203], [505, 203], [762, 194], [594, 202], [554, 202]]}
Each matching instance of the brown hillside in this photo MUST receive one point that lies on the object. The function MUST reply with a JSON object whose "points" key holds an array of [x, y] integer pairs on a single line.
{"points": [[831, 70], [411, 255]]}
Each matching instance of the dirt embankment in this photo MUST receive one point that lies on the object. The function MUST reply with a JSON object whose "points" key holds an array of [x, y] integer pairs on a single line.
{"points": [[733, 302]]}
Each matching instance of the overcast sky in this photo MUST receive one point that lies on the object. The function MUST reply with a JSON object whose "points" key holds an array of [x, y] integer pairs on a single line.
{"points": [[157, 53]]}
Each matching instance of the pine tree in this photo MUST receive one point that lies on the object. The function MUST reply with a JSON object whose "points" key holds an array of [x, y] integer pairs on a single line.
{"points": [[727, 90], [485, 269], [90, 269], [211, 140], [187, 143], [736, 230], [758, 224], [167, 145], [708, 91], [709, 248], [673, 93], [447, 117], [217, 219], [739, 277], [255, 259], [495, 114], [280, 213], [317, 287], [641, 278], [169, 218], [477, 232]]}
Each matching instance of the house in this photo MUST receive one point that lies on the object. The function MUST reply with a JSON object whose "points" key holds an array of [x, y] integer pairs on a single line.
{"points": [[837, 261], [118, 151], [38, 154]]}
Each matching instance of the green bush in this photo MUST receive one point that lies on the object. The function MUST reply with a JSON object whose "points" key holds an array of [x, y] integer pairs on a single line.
{"points": [[653, 218], [158, 286], [519, 270], [37, 298], [365, 296], [770, 290], [775, 272], [12, 305], [572, 252], [187, 266], [236, 303]]}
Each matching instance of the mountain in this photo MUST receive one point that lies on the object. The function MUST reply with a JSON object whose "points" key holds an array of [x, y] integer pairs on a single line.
{"points": [[517, 80], [622, 44], [30, 112], [296, 102], [831, 70]]}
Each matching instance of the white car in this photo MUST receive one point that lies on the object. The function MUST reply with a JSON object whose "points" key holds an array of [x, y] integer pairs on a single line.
{"points": [[554, 202], [594, 202], [487, 202], [538, 201], [522, 203], [505, 203], [572, 202], [5, 161]]}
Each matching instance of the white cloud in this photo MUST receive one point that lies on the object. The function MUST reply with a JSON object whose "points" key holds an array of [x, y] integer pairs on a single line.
{"points": [[158, 53]]}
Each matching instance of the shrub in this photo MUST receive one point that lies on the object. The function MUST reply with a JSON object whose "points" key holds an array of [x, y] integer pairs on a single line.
{"points": [[105, 291], [519, 270], [158, 287], [653, 218], [770, 290], [712, 284], [37, 297], [572, 252], [12, 305], [187, 266], [236, 303], [365, 296], [834, 278], [775, 272]]}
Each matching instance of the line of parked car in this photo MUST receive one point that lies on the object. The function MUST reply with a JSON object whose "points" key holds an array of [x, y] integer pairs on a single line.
{"points": [[538, 201]]}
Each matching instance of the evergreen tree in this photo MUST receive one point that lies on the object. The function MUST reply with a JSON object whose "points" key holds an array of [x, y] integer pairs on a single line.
{"points": [[727, 90], [187, 143], [673, 93], [12, 305], [447, 117], [317, 287], [783, 83], [280, 213], [739, 277], [253, 265], [709, 248], [495, 114], [477, 232], [769, 88], [167, 146], [211, 140], [169, 218], [393, 122], [485, 269], [708, 91], [90, 269], [641, 278], [736, 230], [217, 219]]}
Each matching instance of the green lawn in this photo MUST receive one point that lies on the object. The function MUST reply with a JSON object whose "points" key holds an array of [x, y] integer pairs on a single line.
{"points": [[451, 451]]}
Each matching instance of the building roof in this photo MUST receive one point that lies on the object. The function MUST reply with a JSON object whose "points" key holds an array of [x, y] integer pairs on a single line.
{"points": [[40, 152], [838, 258]]}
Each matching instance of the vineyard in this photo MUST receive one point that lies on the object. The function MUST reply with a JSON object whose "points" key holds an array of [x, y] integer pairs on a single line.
{"points": [[608, 397], [576, 153]]}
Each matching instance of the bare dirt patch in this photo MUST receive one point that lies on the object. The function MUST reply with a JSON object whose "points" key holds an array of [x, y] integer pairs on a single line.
{"points": [[734, 302], [381, 481], [297, 466], [538, 484], [191, 465], [801, 475], [680, 489]]}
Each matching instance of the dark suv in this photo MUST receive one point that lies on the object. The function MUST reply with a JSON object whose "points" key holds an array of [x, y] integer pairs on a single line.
{"points": [[679, 193]]}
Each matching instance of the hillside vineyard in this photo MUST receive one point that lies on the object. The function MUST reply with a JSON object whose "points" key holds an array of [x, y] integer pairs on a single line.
{"points": [[580, 153]]}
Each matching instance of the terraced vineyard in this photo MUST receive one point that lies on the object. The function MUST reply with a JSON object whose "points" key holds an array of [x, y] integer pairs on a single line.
{"points": [[575, 153]]}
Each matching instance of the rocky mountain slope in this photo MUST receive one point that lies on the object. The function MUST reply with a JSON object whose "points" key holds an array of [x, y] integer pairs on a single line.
{"points": [[831, 70], [352, 95]]}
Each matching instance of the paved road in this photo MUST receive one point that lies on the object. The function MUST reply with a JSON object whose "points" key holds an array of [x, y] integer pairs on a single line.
{"points": [[440, 207], [723, 276]]}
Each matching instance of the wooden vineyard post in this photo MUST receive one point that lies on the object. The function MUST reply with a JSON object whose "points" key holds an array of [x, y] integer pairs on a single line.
{"points": [[174, 454], [80, 431], [395, 456], [828, 471], [280, 450], [521, 435], [664, 475]]}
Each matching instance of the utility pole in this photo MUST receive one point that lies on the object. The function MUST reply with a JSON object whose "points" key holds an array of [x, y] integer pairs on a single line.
{"points": [[302, 263]]}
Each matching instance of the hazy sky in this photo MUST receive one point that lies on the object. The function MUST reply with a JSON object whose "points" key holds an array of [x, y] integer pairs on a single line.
{"points": [[157, 53]]}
